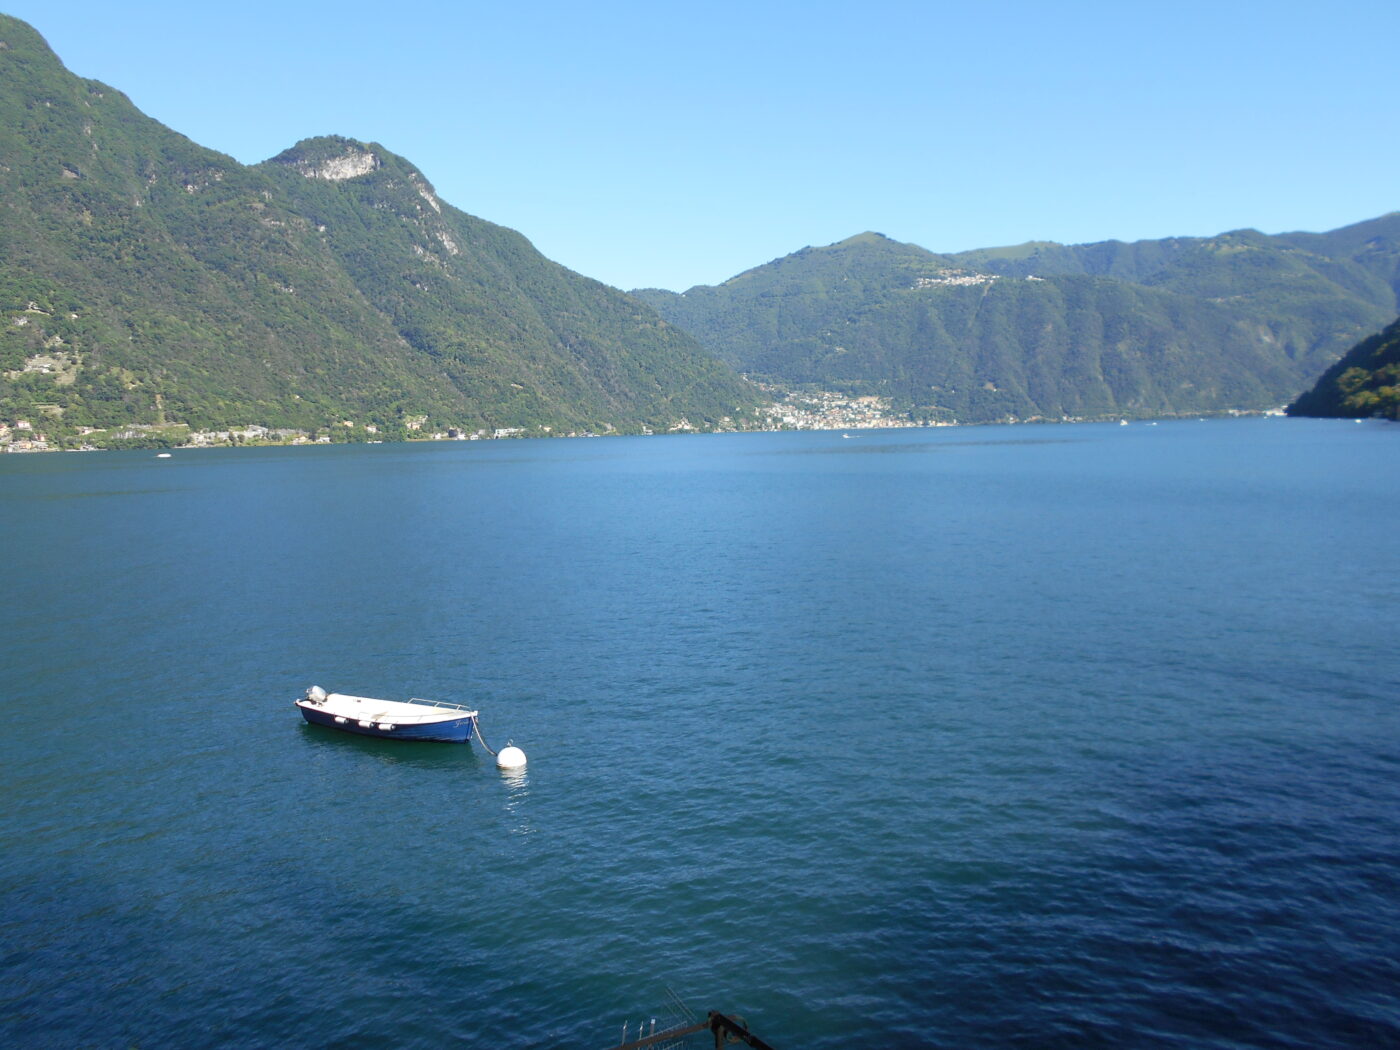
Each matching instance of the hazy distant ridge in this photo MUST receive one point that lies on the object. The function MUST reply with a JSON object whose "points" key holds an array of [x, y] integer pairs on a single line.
{"points": [[1241, 320]]}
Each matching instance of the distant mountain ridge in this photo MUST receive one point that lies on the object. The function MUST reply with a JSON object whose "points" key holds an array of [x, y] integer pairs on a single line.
{"points": [[1243, 320], [146, 279]]}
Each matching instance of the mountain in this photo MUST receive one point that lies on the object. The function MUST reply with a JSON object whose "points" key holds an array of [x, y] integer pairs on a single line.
{"points": [[1365, 382], [146, 279], [1044, 330]]}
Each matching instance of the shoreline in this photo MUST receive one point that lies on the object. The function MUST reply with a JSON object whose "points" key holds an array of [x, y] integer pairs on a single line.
{"points": [[521, 434]]}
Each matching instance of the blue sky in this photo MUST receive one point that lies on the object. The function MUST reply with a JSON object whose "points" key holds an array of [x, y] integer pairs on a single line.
{"points": [[672, 145]]}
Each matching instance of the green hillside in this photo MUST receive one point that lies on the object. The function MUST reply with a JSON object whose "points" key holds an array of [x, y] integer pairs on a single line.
{"points": [[1365, 382], [1238, 321], [146, 279]]}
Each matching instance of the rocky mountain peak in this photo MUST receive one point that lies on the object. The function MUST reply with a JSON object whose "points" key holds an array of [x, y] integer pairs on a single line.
{"points": [[331, 158]]}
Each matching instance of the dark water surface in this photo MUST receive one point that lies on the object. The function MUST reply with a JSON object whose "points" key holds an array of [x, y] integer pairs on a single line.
{"points": [[1074, 736]]}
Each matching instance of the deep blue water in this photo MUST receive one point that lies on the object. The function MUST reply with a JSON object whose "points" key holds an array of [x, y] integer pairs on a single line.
{"points": [[1071, 736]]}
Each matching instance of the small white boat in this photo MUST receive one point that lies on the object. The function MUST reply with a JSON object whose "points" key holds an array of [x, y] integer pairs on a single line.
{"points": [[162, 455], [412, 719]]}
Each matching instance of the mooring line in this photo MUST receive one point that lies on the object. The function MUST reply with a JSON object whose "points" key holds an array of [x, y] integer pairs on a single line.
{"points": [[476, 725]]}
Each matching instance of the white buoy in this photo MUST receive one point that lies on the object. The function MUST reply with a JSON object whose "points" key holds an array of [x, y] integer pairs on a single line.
{"points": [[511, 757]]}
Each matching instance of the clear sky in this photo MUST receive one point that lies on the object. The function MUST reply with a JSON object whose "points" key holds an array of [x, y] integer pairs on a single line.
{"points": [[658, 144]]}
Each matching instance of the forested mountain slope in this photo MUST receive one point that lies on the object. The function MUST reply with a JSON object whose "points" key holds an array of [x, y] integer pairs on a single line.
{"points": [[144, 278], [1365, 382]]}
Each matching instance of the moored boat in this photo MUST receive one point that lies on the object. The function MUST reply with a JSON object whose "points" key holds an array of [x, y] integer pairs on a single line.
{"points": [[412, 719]]}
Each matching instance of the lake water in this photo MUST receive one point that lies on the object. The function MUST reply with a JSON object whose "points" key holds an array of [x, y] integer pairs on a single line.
{"points": [[1061, 736]]}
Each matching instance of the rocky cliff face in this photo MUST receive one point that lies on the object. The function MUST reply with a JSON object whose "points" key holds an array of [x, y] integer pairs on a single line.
{"points": [[352, 162]]}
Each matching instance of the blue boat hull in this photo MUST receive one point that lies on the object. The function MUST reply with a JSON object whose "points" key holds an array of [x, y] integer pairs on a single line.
{"points": [[452, 731]]}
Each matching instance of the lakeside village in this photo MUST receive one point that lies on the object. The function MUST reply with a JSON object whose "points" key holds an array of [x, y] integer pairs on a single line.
{"points": [[24, 436], [822, 410], [815, 410]]}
